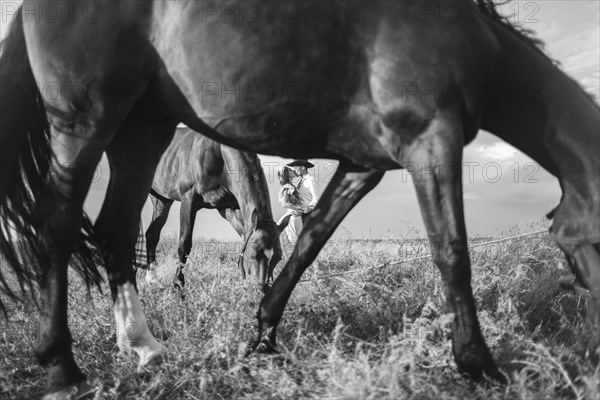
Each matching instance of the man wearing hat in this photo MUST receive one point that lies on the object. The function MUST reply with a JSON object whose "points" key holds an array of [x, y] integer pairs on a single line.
{"points": [[307, 194], [305, 184]]}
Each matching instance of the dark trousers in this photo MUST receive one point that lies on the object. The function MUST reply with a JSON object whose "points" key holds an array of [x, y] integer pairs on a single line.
{"points": [[304, 218]]}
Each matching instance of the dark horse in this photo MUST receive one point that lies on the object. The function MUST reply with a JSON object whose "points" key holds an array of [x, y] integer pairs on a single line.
{"points": [[378, 85], [201, 173]]}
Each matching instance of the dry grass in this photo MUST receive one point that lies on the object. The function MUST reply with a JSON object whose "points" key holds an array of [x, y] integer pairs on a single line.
{"points": [[375, 334]]}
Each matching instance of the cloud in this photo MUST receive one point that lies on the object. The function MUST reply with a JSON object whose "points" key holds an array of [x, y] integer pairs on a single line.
{"points": [[579, 53], [497, 151], [581, 50]]}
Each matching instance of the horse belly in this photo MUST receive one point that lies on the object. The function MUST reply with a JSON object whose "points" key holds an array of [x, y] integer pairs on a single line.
{"points": [[362, 129], [265, 80], [288, 88]]}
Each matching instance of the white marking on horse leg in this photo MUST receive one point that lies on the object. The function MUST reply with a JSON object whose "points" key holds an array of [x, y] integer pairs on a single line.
{"points": [[151, 274], [132, 329]]}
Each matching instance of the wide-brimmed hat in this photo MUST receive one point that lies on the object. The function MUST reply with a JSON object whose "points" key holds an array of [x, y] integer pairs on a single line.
{"points": [[300, 163]]}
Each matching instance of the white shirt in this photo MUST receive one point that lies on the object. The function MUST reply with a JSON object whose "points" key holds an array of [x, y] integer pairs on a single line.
{"points": [[307, 190], [309, 197]]}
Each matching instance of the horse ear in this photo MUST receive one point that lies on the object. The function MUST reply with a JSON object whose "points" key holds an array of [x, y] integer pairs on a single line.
{"points": [[254, 219]]}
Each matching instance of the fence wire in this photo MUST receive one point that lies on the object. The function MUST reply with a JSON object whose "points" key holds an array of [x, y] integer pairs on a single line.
{"points": [[424, 257]]}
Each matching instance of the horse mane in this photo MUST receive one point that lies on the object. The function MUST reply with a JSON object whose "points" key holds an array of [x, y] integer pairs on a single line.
{"points": [[489, 8], [255, 183]]}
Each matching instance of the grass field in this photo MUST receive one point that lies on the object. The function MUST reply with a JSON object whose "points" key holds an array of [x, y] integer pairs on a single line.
{"points": [[373, 334]]}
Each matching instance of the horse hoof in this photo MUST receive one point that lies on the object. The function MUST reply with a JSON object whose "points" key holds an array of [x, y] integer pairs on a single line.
{"points": [[79, 391], [475, 360], [265, 347], [488, 373], [495, 376], [261, 349]]}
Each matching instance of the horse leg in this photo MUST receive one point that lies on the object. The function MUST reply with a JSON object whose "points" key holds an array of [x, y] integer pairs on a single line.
{"points": [[77, 149], [346, 189], [583, 258], [71, 175], [160, 214], [187, 218], [60, 229], [80, 133], [586, 258], [83, 123], [234, 217], [117, 226], [574, 284], [438, 182], [575, 228]]}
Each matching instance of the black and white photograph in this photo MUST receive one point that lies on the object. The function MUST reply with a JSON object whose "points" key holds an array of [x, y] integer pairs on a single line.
{"points": [[300, 199]]}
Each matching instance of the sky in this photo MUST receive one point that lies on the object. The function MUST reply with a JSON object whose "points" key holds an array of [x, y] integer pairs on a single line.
{"points": [[503, 188]]}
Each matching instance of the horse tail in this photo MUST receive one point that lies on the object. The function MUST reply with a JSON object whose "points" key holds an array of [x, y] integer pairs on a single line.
{"points": [[25, 159]]}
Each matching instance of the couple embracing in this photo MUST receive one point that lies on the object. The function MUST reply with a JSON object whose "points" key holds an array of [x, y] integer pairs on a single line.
{"points": [[298, 195]]}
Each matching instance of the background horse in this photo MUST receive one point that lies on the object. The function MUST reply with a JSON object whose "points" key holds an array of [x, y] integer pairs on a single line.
{"points": [[378, 85], [201, 173]]}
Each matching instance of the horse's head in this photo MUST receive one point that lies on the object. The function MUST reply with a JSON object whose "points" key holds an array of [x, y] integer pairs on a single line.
{"points": [[261, 251]]}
